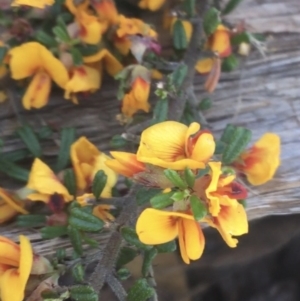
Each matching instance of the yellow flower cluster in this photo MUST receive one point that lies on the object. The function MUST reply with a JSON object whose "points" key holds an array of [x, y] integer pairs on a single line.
{"points": [[175, 146]]}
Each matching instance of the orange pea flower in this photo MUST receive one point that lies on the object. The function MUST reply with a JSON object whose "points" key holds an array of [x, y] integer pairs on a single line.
{"points": [[125, 164], [157, 227], [33, 3], [45, 184], [87, 160], [9, 206], [15, 267], [33, 59], [106, 11], [260, 162], [171, 144]]}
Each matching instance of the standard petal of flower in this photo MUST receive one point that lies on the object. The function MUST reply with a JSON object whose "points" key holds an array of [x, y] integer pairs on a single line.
{"points": [[10, 279], [106, 10], [9, 252], [37, 93], [191, 240], [54, 67], [112, 177], [43, 180], [26, 260], [204, 66], [220, 41], [165, 141], [204, 148], [21, 67]]}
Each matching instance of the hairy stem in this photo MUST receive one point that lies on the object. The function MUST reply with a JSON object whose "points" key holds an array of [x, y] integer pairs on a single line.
{"points": [[116, 287]]}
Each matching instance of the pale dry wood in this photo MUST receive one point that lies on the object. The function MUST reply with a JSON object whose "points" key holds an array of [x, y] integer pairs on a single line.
{"points": [[263, 95]]}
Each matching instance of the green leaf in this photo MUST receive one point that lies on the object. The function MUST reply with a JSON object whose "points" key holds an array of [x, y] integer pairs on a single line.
{"points": [[61, 254], [16, 155], [178, 196], [189, 177], [220, 146], [83, 293], [179, 36], [177, 77], [190, 7], [70, 181], [31, 220], [243, 203], [198, 208], [162, 200], [160, 112], [29, 138], [166, 247], [230, 6], [44, 132], [76, 56], [99, 183], [174, 178], [227, 133], [126, 255], [87, 50], [76, 239], [140, 291], [67, 137], [144, 195], [132, 238], [202, 172], [84, 221], [211, 20], [205, 104], [61, 34], [14, 171], [147, 262], [44, 38], [242, 37], [123, 274], [230, 63], [78, 272], [53, 231], [238, 142], [118, 141], [91, 242]]}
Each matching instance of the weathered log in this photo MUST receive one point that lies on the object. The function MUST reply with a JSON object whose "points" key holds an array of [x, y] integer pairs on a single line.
{"points": [[262, 95]]}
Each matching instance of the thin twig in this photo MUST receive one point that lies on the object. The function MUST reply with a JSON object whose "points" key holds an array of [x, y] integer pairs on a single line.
{"points": [[116, 287]]}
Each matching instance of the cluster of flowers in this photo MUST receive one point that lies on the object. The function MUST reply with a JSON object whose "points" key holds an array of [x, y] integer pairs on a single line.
{"points": [[104, 39]]}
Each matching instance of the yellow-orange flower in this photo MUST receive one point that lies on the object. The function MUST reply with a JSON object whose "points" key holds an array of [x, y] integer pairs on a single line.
{"points": [[9, 206], [106, 10], [157, 227], [82, 79], [137, 98], [125, 164], [260, 162], [152, 5], [111, 64], [171, 144], [33, 59], [87, 160], [45, 184], [15, 267], [218, 42], [33, 3]]}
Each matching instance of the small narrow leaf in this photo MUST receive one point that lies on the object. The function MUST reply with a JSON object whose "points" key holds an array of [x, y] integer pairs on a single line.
{"points": [[140, 291], [99, 183], [162, 200], [132, 238], [166, 247], [178, 196], [83, 293], [177, 77], [76, 240], [78, 272], [14, 171], [144, 195], [29, 138], [45, 38], [198, 208], [230, 63], [70, 181], [76, 56], [243, 37], [227, 133], [231, 5], [118, 141], [174, 178], [179, 36], [84, 221], [238, 142], [190, 7], [16, 155], [31, 220], [147, 262], [123, 274], [160, 112], [61, 34], [205, 104], [126, 255], [67, 137], [189, 177], [211, 20], [53, 231]]}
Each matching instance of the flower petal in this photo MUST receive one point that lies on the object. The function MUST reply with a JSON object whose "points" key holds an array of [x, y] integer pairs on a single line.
{"points": [[9, 252], [204, 66], [26, 260], [9, 200], [164, 141], [38, 91], [204, 147]]}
